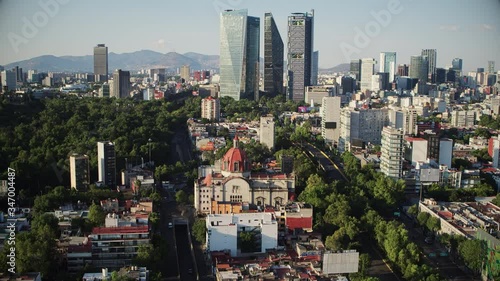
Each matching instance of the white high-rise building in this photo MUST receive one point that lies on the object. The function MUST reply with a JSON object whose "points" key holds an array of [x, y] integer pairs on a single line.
{"points": [[387, 64], [391, 159], [367, 70], [210, 108], [79, 171], [491, 66], [358, 127], [410, 121], [462, 118], [376, 83], [266, 134], [445, 151], [106, 163], [8, 80], [431, 55], [330, 119], [404, 119]]}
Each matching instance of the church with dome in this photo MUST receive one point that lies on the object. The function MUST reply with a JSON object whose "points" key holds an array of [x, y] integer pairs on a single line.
{"points": [[231, 182]]}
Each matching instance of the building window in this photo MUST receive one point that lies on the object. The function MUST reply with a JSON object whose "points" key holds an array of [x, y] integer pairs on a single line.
{"points": [[236, 189], [235, 198]]}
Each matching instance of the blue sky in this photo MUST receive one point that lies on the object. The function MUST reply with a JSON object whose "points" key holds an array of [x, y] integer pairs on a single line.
{"points": [[469, 29]]}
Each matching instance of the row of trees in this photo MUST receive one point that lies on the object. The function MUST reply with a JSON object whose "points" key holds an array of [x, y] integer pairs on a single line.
{"points": [[449, 194], [346, 210]]}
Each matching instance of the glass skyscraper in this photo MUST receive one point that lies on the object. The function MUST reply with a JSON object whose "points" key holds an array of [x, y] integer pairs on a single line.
{"points": [[457, 64], [101, 62], [355, 68], [273, 56], [315, 68], [239, 54], [419, 68], [300, 52], [388, 64]]}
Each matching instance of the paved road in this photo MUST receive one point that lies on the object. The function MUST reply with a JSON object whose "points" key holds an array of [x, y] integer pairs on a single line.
{"points": [[186, 264], [378, 267], [445, 265], [168, 208], [332, 169], [180, 147]]}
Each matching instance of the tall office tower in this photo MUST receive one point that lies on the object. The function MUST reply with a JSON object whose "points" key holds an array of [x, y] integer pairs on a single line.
{"points": [[367, 70], [391, 159], [419, 68], [402, 70], [348, 84], [387, 64], [266, 132], [440, 75], [355, 68], [491, 66], [101, 63], [431, 55], [210, 108], [384, 82], [19, 73], [185, 73], [106, 163], [457, 64], [79, 168], [8, 80], [273, 56], [330, 119], [300, 54], [315, 68], [239, 54], [121, 84]]}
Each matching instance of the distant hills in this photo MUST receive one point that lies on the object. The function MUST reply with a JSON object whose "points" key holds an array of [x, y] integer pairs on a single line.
{"points": [[343, 67], [143, 59], [126, 61]]}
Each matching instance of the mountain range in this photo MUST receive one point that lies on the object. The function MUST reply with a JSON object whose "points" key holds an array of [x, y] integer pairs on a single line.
{"points": [[144, 59]]}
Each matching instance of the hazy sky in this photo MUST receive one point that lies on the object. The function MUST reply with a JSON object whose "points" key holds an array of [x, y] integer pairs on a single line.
{"points": [[469, 29]]}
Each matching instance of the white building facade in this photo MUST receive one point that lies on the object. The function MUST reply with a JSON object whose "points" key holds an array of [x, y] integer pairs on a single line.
{"points": [[330, 119], [391, 159], [224, 230]]}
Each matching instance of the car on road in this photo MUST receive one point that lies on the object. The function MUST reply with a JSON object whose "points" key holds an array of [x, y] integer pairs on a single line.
{"points": [[170, 225], [429, 240], [190, 271]]}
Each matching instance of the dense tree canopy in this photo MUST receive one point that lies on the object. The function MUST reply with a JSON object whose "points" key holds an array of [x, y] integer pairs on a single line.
{"points": [[473, 252], [199, 230], [37, 138], [97, 215]]}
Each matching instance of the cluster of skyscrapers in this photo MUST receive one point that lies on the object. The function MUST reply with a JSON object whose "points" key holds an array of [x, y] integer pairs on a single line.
{"points": [[240, 53], [120, 86], [421, 70]]}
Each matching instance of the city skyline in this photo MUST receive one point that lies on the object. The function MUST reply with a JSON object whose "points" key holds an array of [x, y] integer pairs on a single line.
{"points": [[472, 20]]}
